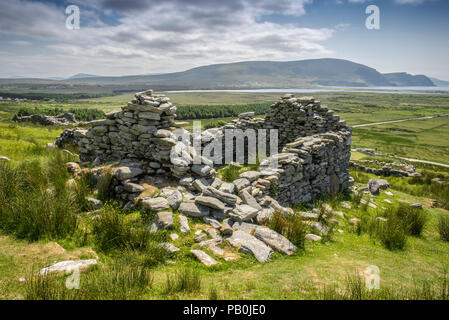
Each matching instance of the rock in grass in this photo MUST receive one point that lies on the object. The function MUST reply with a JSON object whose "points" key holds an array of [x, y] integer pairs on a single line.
{"points": [[313, 237], [164, 219], [268, 236], [204, 258], [69, 266], [193, 209], [155, 204], [244, 213], [133, 187], [94, 203], [3, 158], [169, 247], [175, 199], [210, 202], [249, 244], [184, 224], [250, 175]]}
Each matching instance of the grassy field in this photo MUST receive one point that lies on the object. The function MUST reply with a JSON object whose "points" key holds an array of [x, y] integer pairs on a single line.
{"points": [[324, 270]]}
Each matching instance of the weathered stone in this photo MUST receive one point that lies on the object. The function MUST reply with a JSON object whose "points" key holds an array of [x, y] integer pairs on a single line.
{"points": [[268, 236], [193, 209], [250, 175], [244, 212], [155, 204], [184, 224], [171, 248], [94, 203], [227, 187], [165, 219], [249, 200], [124, 173], [68, 266], [312, 237], [133, 187], [212, 222], [241, 183], [204, 258], [174, 199], [210, 202], [249, 244]]}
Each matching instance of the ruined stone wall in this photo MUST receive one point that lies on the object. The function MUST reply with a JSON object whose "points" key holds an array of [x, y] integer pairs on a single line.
{"points": [[313, 146]]}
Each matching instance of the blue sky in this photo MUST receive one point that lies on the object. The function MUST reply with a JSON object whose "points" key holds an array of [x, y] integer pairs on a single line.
{"points": [[149, 36]]}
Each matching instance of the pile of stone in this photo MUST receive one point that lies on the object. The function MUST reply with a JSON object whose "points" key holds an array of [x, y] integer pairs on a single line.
{"points": [[386, 170], [144, 130], [60, 120]]}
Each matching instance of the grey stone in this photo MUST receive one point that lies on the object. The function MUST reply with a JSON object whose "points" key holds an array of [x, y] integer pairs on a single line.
{"points": [[193, 209], [241, 183], [212, 222], [223, 196], [94, 203], [249, 200], [68, 266], [171, 248], [184, 224], [249, 244], [227, 187], [133, 187], [312, 237], [165, 219], [204, 258], [250, 175], [244, 213], [210, 202], [124, 173], [155, 204], [174, 199], [268, 236]]}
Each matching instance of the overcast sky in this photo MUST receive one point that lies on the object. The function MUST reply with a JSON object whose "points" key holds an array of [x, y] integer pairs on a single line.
{"points": [[149, 36]]}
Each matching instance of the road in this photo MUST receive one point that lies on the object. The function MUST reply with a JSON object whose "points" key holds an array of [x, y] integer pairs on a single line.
{"points": [[402, 120]]}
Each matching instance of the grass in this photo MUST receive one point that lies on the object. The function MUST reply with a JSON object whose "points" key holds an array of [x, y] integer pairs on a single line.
{"points": [[290, 226], [443, 227]]}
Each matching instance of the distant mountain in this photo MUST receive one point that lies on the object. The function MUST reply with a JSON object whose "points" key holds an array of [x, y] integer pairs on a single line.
{"points": [[440, 83], [261, 74], [404, 79], [82, 76], [269, 74]]}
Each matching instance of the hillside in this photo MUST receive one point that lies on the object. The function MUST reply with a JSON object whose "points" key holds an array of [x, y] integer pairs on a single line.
{"points": [[270, 74]]}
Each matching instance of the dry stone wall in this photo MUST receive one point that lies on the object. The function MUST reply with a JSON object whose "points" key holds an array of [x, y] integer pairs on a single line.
{"points": [[312, 155]]}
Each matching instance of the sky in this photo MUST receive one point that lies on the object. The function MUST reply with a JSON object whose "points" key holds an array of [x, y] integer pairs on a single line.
{"points": [[153, 36]]}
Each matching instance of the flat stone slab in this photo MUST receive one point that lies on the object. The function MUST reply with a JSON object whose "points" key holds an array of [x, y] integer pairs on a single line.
{"points": [[249, 200], [133, 187], [123, 173], [193, 209], [210, 202], [184, 224], [250, 175], [227, 198], [204, 258], [312, 237], [244, 212], [68, 266], [268, 236], [175, 199], [155, 204], [249, 244], [241, 183], [165, 219]]}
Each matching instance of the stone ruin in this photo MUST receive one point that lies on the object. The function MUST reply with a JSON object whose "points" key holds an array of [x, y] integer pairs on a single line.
{"points": [[313, 159], [64, 119], [152, 169]]}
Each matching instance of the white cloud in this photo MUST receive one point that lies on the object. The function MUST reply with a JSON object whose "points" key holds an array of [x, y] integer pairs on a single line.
{"points": [[158, 36]]}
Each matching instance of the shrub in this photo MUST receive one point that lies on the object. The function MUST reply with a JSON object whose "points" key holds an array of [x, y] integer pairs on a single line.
{"points": [[414, 219], [290, 226], [391, 233], [443, 227], [113, 231], [187, 280], [105, 187], [230, 173]]}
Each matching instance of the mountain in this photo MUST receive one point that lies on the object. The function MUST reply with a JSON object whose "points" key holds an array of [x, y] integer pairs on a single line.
{"points": [[440, 83], [82, 76], [261, 74], [404, 79], [269, 74]]}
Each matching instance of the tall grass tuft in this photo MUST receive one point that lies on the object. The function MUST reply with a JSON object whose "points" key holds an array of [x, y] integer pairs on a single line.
{"points": [[185, 280], [34, 200], [290, 226], [392, 233], [414, 219], [443, 227], [230, 173], [113, 282]]}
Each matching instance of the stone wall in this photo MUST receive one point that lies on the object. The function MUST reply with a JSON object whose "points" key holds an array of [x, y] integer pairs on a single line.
{"points": [[313, 151]]}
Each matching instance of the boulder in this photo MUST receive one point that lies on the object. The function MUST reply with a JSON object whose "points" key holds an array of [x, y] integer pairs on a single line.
{"points": [[124, 173], [244, 212], [227, 198], [241, 183], [249, 244], [165, 219], [174, 199], [210, 202], [68, 266], [155, 204], [193, 209], [268, 236]]}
